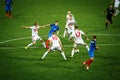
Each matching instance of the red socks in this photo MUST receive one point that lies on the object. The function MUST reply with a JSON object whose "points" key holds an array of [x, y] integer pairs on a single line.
{"points": [[88, 62], [47, 44]]}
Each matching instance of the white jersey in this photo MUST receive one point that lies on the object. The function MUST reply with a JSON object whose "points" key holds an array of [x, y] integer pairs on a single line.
{"points": [[117, 1], [68, 18], [77, 34], [55, 41], [34, 30]]}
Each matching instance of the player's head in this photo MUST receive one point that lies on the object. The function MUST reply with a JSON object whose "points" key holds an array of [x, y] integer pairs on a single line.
{"points": [[69, 12], [36, 24], [53, 33], [94, 37], [111, 6], [76, 27], [56, 23]]}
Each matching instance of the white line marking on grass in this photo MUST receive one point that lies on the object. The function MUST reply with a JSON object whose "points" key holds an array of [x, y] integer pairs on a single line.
{"points": [[65, 46], [105, 34], [16, 39]]}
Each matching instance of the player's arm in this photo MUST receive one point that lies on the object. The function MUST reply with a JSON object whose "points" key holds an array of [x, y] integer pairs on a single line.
{"points": [[25, 27], [45, 25], [86, 36]]}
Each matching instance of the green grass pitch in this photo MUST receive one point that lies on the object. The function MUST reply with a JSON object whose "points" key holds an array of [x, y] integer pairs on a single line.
{"points": [[16, 63]]}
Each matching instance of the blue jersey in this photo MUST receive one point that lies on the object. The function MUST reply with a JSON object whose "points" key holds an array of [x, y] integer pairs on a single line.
{"points": [[8, 2], [92, 48], [54, 28], [92, 45]]}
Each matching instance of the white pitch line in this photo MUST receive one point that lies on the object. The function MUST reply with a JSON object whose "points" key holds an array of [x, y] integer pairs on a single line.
{"points": [[65, 46], [5, 41], [14, 39]]}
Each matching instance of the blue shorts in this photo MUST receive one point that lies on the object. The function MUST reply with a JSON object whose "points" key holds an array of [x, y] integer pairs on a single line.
{"points": [[91, 54], [8, 8]]}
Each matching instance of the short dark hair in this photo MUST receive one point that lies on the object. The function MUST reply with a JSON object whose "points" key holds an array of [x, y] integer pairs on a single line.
{"points": [[56, 21], [94, 37], [35, 23], [76, 27]]}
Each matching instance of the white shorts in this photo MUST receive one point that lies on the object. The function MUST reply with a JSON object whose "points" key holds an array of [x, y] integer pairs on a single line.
{"points": [[80, 42], [56, 47], [70, 30], [116, 5], [36, 37]]}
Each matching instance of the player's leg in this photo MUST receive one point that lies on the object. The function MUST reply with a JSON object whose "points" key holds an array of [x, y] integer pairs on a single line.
{"points": [[45, 53], [106, 23], [116, 6], [10, 12], [6, 10], [41, 40], [88, 62], [73, 50], [33, 42], [47, 41], [87, 47], [62, 53], [65, 32]]}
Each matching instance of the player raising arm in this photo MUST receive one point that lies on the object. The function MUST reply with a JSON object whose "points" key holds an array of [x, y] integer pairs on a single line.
{"points": [[55, 43], [35, 36], [77, 36], [53, 28]]}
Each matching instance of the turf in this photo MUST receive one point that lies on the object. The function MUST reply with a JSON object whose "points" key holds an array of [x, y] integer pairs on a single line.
{"points": [[16, 63]]}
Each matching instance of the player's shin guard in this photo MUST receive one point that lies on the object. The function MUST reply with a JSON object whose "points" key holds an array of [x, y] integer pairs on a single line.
{"points": [[44, 55], [87, 47], [72, 53], [47, 44], [62, 53], [29, 44], [43, 43], [89, 63], [7, 13], [64, 34]]}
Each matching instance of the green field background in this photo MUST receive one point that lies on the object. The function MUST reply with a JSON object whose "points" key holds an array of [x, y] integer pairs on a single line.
{"points": [[16, 63]]}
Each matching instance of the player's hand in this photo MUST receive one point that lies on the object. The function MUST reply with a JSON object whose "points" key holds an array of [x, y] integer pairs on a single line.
{"points": [[97, 48], [87, 39]]}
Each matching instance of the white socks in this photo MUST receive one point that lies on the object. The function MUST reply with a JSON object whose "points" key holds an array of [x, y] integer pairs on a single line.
{"points": [[72, 53], [30, 44], [62, 53], [64, 33], [44, 55], [43, 43], [87, 47]]}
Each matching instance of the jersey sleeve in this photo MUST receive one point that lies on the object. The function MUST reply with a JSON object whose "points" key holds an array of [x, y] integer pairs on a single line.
{"points": [[31, 27], [82, 32]]}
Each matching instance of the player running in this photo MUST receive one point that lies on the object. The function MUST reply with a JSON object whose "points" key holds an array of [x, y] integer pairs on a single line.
{"points": [[77, 36], [93, 47], [69, 18], [54, 28], [55, 43], [110, 13], [35, 36], [8, 10]]}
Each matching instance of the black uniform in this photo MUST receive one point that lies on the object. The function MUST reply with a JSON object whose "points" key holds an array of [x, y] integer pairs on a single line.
{"points": [[110, 12]]}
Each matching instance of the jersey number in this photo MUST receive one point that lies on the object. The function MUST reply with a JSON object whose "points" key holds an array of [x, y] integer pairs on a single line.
{"points": [[77, 34], [54, 38]]}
